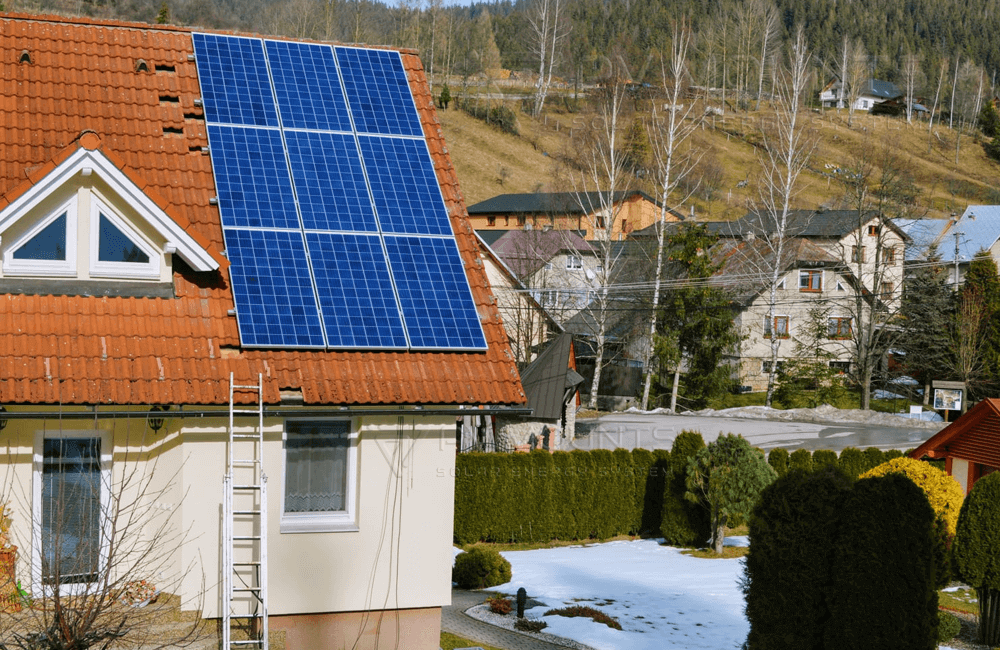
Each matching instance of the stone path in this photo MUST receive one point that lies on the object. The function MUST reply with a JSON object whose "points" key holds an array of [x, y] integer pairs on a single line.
{"points": [[454, 620]]}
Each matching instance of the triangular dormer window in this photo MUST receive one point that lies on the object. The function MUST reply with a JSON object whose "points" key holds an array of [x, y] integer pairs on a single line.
{"points": [[45, 248], [88, 220]]}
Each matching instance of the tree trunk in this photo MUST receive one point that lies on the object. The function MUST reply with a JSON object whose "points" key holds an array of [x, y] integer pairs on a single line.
{"points": [[718, 533], [673, 391], [989, 616]]}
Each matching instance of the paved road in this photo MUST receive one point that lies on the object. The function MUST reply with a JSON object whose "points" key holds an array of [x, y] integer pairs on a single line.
{"points": [[648, 431], [454, 620]]}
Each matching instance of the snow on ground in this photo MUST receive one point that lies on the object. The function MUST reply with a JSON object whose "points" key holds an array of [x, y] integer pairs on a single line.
{"points": [[664, 600], [824, 413]]}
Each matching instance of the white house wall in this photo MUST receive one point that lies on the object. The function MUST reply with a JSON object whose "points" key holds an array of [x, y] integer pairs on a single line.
{"points": [[308, 572]]}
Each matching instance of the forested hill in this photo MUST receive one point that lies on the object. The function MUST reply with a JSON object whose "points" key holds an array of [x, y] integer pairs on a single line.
{"points": [[729, 33]]}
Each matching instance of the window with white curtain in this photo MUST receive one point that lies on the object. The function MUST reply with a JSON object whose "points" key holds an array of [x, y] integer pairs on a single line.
{"points": [[320, 476]]}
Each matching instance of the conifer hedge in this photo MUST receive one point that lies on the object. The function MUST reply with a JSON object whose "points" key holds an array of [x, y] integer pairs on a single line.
{"points": [[787, 575], [884, 569], [778, 459], [684, 523], [976, 555]]}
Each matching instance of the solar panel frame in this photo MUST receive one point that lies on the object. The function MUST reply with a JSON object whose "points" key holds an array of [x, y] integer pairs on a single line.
{"points": [[309, 93], [357, 296], [251, 192], [332, 190], [433, 287], [273, 289], [404, 186], [385, 107], [235, 86]]}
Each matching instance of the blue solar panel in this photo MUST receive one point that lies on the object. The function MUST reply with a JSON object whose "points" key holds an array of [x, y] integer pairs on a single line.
{"points": [[251, 176], [356, 296], [235, 88], [434, 292], [307, 86], [407, 195], [329, 182], [273, 290], [378, 92]]}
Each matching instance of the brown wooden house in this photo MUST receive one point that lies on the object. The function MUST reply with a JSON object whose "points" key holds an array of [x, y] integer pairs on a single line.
{"points": [[970, 445]]}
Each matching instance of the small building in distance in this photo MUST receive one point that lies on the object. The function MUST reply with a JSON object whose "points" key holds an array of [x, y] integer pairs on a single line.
{"points": [[584, 212], [873, 92]]}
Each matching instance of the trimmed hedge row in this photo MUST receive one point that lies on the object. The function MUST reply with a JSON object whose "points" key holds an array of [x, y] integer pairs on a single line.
{"points": [[599, 494], [562, 495]]}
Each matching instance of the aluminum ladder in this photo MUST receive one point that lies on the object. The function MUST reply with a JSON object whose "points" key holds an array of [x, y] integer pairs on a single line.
{"points": [[244, 546]]}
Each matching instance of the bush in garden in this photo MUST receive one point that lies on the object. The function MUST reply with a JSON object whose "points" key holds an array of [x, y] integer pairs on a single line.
{"points": [[948, 626], [894, 453], [875, 457], [800, 459], [683, 523], [727, 477], [650, 469], [822, 458], [480, 567], [943, 491], [778, 460], [564, 482], [852, 462], [529, 625], [976, 554], [499, 604], [787, 571], [884, 570]]}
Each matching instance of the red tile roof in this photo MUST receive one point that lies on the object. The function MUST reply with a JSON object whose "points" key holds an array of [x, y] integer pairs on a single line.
{"points": [[118, 350]]}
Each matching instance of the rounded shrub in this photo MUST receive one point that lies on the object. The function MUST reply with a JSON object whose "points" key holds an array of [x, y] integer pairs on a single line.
{"points": [[787, 572], [948, 626], [480, 567], [975, 552], [875, 457], [801, 459], [823, 458], [852, 462], [943, 491], [683, 523], [884, 571], [777, 458]]}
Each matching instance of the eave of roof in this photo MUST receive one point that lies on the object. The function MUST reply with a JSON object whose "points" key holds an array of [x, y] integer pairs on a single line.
{"points": [[936, 446], [119, 350]]}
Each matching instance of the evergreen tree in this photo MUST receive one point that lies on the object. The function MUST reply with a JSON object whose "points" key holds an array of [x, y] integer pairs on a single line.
{"points": [[637, 149], [697, 324], [982, 285], [976, 552], [727, 476], [927, 318]]}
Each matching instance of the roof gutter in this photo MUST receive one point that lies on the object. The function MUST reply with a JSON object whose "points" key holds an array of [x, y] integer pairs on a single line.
{"points": [[269, 411]]}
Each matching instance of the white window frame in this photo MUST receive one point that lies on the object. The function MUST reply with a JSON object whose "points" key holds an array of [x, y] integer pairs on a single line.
{"points": [[55, 268], [38, 589], [323, 522], [574, 263], [127, 270]]}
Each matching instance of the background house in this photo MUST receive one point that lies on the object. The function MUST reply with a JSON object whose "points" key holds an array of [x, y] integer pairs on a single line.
{"points": [[873, 92], [577, 211], [978, 229], [117, 202]]}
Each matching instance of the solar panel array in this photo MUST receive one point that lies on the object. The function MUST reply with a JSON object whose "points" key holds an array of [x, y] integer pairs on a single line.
{"points": [[334, 223]]}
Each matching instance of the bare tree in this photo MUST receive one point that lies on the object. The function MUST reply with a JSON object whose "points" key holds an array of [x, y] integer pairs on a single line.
{"points": [[878, 189], [669, 134], [942, 70], [788, 147], [911, 75], [601, 172], [548, 28], [969, 337], [104, 541], [857, 77], [770, 31]]}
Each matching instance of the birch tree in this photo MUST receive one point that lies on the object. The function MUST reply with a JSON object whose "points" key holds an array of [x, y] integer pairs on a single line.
{"points": [[911, 74], [601, 160], [548, 28], [942, 70], [857, 75], [769, 33], [671, 130], [788, 147]]}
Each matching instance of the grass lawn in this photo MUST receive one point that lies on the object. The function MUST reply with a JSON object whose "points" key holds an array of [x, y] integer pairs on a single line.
{"points": [[450, 642], [964, 599]]}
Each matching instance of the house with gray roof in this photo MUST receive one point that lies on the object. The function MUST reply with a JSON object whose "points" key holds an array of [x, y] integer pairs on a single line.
{"points": [[584, 212], [873, 92], [956, 240]]}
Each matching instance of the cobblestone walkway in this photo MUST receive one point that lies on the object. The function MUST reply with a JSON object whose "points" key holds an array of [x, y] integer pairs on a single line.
{"points": [[454, 620]]}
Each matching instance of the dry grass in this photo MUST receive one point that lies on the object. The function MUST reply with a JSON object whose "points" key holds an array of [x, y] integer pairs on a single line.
{"points": [[484, 156]]}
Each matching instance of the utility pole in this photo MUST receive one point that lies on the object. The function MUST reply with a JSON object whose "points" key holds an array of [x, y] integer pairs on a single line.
{"points": [[957, 234]]}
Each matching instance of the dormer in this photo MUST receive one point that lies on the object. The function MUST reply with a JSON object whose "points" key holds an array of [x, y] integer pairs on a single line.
{"points": [[86, 220]]}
